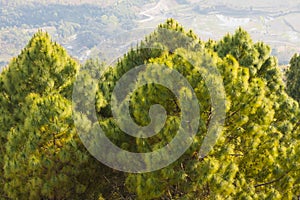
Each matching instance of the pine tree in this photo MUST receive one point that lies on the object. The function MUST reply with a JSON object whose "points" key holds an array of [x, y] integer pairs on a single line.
{"points": [[256, 156], [292, 76], [42, 156], [252, 157]]}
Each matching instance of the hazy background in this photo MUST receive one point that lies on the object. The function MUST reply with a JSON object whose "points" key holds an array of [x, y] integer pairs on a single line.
{"points": [[106, 29]]}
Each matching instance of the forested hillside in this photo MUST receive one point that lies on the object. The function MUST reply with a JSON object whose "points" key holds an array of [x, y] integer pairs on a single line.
{"points": [[79, 26], [87, 28], [246, 143]]}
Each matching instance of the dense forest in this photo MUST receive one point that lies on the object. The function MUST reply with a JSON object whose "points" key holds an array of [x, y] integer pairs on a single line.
{"points": [[49, 145]]}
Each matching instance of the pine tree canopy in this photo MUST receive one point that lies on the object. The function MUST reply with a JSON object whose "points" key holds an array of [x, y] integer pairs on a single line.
{"points": [[252, 157], [246, 143], [292, 76], [42, 156]]}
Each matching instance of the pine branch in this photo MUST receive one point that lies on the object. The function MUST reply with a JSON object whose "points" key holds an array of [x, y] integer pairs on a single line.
{"points": [[273, 181], [270, 182]]}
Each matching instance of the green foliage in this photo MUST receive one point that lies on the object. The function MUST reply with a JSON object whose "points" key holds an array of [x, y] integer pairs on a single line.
{"points": [[42, 155], [292, 76], [255, 157], [44, 158], [30, 73]]}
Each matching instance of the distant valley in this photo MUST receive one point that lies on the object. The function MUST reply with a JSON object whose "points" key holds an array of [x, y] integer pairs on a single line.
{"points": [[106, 30]]}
